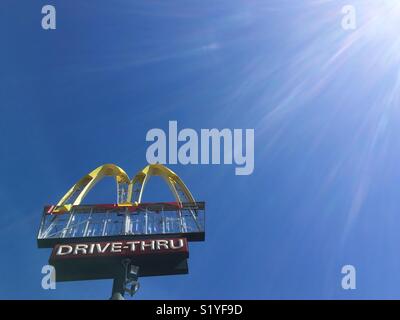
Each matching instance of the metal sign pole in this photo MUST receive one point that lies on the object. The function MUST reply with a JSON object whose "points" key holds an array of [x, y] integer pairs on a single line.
{"points": [[119, 282], [118, 288], [125, 280]]}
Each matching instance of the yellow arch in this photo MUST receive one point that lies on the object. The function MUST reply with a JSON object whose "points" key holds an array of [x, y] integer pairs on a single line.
{"points": [[176, 185], [136, 186], [77, 193]]}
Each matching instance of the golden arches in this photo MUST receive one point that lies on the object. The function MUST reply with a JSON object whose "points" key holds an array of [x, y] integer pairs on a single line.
{"points": [[136, 186], [77, 193], [176, 185]]}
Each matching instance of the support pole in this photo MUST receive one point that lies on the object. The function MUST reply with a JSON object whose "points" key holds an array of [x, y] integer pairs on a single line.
{"points": [[118, 288], [125, 280]]}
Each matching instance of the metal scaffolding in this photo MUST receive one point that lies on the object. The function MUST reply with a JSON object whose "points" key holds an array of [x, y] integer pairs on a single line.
{"points": [[87, 221]]}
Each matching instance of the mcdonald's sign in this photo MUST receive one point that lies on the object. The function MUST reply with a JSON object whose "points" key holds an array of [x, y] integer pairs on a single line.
{"points": [[93, 238]]}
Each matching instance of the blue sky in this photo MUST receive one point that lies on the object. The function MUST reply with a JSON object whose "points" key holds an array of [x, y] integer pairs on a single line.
{"points": [[323, 101]]}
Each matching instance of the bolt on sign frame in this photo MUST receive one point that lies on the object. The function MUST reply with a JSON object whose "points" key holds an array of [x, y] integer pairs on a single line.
{"points": [[70, 222]]}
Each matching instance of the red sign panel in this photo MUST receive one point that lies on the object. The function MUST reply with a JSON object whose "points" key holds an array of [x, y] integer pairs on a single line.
{"points": [[123, 248]]}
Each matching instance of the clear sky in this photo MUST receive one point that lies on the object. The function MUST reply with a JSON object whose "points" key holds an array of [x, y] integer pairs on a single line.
{"points": [[324, 103]]}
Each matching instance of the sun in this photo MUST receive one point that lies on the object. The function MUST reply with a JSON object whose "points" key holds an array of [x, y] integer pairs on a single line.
{"points": [[380, 18]]}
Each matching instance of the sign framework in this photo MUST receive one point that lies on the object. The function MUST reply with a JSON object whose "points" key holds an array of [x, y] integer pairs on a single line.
{"points": [[126, 240]]}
